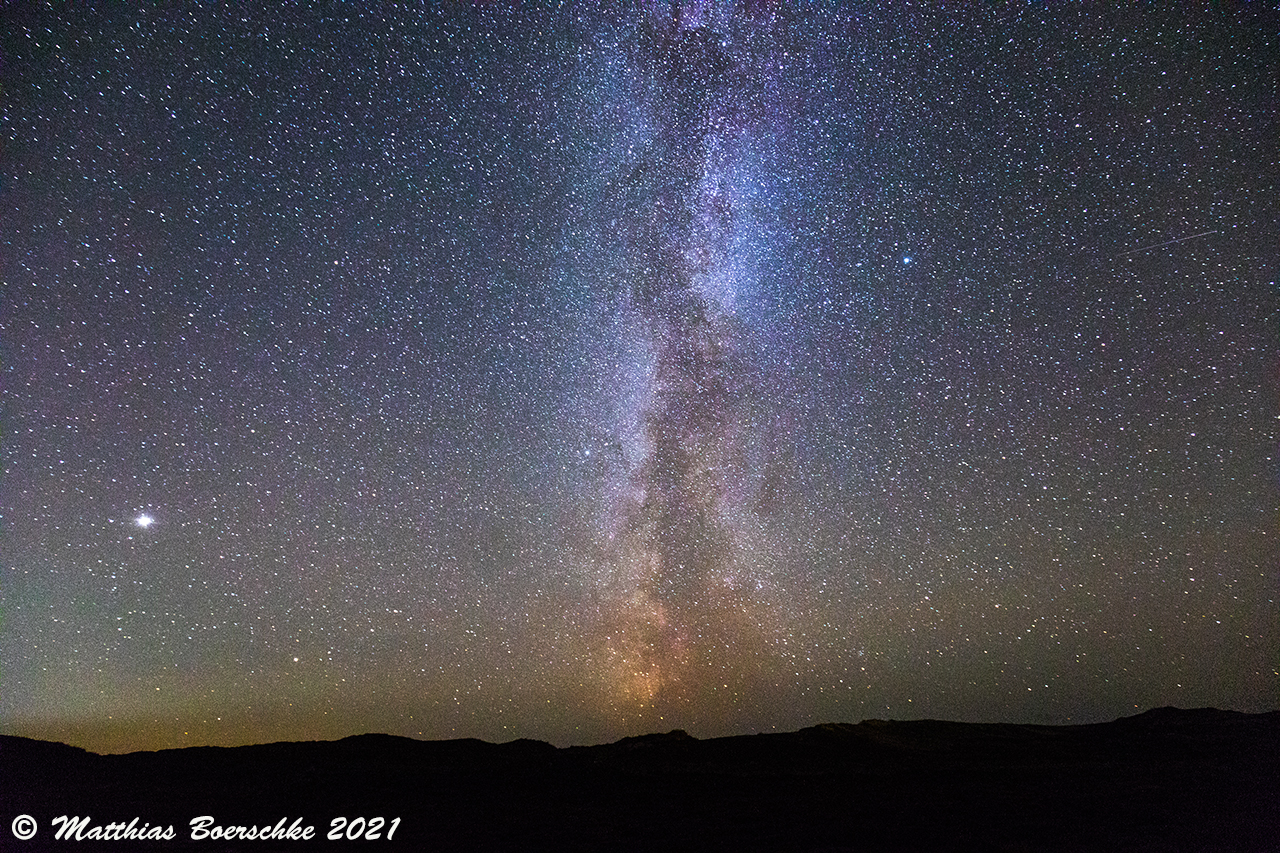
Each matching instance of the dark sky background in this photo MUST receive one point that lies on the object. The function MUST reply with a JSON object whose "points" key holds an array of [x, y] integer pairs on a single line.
{"points": [[503, 371]]}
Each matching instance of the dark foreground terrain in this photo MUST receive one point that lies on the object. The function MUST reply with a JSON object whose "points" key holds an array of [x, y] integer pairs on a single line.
{"points": [[1166, 780]]}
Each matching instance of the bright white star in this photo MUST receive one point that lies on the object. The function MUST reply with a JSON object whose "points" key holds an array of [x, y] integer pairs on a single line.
{"points": [[144, 520]]}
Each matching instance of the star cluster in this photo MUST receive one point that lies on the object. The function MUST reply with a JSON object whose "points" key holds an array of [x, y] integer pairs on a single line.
{"points": [[576, 372]]}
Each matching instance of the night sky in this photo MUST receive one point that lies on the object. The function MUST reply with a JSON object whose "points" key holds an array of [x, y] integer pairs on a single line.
{"points": [[571, 373]]}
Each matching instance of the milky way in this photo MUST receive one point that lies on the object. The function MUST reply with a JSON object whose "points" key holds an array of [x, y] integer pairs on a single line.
{"points": [[578, 372], [682, 563]]}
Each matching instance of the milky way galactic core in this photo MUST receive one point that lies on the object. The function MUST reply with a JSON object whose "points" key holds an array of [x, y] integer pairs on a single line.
{"points": [[578, 372]]}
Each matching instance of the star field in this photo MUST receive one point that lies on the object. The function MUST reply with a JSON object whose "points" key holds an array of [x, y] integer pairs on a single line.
{"points": [[572, 373]]}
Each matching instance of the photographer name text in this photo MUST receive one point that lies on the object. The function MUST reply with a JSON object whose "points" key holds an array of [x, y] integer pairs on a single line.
{"points": [[207, 828]]}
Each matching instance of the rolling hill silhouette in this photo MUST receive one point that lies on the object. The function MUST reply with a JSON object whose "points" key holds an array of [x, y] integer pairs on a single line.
{"points": [[1163, 780]]}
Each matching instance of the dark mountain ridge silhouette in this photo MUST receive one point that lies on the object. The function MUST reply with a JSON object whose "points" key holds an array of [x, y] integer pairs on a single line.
{"points": [[1166, 779]]}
